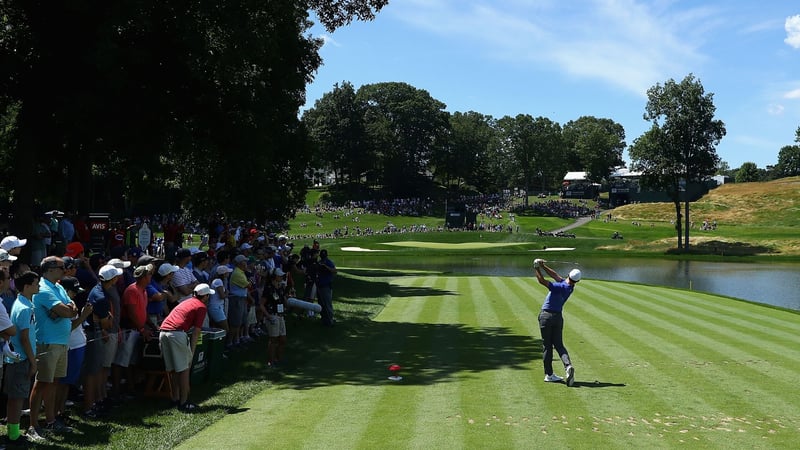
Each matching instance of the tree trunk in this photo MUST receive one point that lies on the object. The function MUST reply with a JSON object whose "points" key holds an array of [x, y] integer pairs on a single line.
{"points": [[678, 223], [688, 222], [25, 174]]}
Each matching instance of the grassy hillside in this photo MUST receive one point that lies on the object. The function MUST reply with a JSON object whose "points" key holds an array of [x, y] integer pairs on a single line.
{"points": [[752, 218], [773, 203]]}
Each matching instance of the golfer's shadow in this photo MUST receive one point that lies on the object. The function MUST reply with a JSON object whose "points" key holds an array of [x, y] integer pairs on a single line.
{"points": [[596, 384]]}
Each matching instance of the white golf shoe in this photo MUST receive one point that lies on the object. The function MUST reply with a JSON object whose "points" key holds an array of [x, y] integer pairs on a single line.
{"points": [[570, 376], [552, 378]]}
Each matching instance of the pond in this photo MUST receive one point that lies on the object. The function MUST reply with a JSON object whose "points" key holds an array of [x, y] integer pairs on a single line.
{"points": [[775, 284]]}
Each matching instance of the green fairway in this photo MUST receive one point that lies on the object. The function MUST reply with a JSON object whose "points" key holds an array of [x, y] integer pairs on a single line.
{"points": [[656, 368]]}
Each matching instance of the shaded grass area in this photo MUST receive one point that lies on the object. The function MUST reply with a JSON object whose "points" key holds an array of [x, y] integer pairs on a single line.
{"points": [[150, 423]]}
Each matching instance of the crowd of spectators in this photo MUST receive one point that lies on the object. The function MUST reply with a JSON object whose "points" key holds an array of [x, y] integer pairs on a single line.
{"points": [[565, 209], [76, 322]]}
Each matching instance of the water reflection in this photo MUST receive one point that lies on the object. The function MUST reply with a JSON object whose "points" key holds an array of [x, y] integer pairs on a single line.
{"points": [[772, 284]]}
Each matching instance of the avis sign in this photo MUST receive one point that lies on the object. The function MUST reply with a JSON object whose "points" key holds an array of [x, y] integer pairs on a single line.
{"points": [[99, 224]]}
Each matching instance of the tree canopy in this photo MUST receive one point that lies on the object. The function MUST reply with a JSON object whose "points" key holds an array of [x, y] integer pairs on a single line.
{"points": [[681, 145], [125, 100], [597, 144]]}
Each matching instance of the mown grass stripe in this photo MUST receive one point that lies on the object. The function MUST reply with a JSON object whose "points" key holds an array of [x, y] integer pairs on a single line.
{"points": [[672, 415], [562, 408], [726, 331], [744, 315], [511, 390], [472, 358], [716, 308], [442, 398], [595, 403], [403, 399], [667, 346], [406, 298], [717, 342]]}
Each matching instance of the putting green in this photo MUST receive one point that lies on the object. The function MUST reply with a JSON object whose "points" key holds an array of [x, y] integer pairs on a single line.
{"points": [[656, 368], [447, 246]]}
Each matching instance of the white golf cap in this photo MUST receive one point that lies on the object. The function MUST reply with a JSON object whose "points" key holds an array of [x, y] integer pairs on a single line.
{"points": [[108, 272], [203, 289], [5, 256], [575, 275], [166, 269], [10, 242], [118, 263], [223, 269]]}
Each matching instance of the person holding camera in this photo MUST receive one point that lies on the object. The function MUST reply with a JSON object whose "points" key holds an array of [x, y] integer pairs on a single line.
{"points": [[273, 306], [326, 270], [551, 322]]}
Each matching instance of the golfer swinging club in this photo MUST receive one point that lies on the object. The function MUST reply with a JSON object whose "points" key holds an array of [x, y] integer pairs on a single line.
{"points": [[551, 323]]}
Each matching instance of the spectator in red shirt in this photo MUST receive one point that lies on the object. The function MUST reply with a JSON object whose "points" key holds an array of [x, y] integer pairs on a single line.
{"points": [[178, 348], [134, 323]]}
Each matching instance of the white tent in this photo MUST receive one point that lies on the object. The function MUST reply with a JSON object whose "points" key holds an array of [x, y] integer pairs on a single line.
{"points": [[575, 176]]}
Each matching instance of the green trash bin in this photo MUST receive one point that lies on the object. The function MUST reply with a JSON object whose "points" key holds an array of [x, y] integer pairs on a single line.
{"points": [[199, 370], [214, 339]]}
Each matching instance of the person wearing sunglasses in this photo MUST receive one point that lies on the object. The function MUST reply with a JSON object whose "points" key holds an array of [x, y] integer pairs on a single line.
{"points": [[53, 310]]}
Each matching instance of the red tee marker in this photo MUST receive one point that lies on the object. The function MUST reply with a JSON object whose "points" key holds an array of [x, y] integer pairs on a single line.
{"points": [[395, 369]]}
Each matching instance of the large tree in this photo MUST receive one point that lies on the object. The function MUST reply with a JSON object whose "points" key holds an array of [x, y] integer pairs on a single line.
{"points": [[405, 125], [789, 158], [536, 148], [111, 99], [463, 158], [749, 172], [598, 144], [680, 148], [336, 125]]}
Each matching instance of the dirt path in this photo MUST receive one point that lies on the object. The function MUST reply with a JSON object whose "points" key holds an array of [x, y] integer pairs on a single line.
{"points": [[581, 221]]}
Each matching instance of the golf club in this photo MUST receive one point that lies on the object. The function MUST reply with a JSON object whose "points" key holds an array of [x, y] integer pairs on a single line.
{"points": [[562, 262]]}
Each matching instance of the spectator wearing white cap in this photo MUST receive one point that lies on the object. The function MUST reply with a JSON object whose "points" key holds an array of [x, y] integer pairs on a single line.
{"points": [[178, 348], [160, 296], [6, 258], [13, 245], [216, 305], [127, 273], [100, 342], [184, 280]]}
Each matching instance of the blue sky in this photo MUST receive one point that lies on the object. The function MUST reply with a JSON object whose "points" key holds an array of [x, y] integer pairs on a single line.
{"points": [[566, 59]]}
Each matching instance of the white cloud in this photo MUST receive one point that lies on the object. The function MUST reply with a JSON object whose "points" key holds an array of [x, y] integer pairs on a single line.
{"points": [[792, 95], [775, 109], [793, 31], [327, 39], [624, 43]]}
